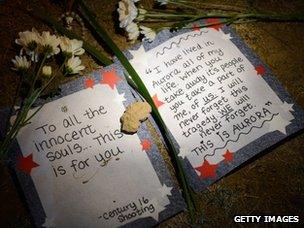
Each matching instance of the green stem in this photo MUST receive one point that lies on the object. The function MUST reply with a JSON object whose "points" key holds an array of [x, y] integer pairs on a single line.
{"points": [[38, 73], [167, 15], [7, 125], [203, 6], [137, 80], [18, 123], [272, 17], [22, 118], [259, 16], [62, 65], [183, 4]]}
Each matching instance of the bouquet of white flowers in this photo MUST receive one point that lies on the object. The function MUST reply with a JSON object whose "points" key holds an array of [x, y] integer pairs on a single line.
{"points": [[35, 65], [139, 22]]}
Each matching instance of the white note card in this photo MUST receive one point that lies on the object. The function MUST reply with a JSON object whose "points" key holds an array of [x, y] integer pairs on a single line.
{"points": [[211, 97], [88, 173]]}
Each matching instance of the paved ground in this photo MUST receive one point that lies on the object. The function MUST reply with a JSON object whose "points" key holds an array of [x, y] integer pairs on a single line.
{"points": [[272, 183]]}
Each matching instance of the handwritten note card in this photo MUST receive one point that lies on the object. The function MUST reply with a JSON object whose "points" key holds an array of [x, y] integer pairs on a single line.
{"points": [[221, 104], [212, 98], [88, 173]]}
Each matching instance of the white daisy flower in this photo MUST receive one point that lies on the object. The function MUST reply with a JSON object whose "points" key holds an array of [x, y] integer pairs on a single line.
{"points": [[71, 47], [49, 43], [21, 63], [73, 65], [68, 21], [133, 31], [34, 56], [148, 33], [127, 12], [47, 71], [28, 39], [162, 2]]}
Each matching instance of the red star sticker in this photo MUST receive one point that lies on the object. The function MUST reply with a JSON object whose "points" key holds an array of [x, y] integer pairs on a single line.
{"points": [[26, 164], [207, 170], [260, 70], [214, 23], [89, 83], [228, 156], [145, 144], [110, 78], [157, 102], [196, 27]]}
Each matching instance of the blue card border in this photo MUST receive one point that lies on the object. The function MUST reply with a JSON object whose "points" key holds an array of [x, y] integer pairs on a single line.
{"points": [[253, 148], [177, 203]]}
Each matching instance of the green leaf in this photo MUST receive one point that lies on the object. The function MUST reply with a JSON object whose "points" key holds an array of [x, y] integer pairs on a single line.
{"points": [[187, 191]]}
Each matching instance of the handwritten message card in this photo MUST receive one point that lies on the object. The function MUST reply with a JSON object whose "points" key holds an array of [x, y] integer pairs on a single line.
{"points": [[88, 173], [212, 98]]}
